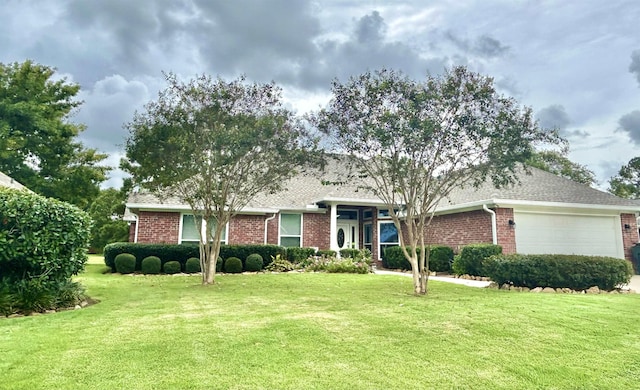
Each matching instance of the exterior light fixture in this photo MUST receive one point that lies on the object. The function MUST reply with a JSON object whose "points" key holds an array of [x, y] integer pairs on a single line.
{"points": [[512, 223]]}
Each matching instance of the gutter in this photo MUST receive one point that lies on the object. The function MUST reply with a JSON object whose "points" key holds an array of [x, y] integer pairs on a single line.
{"points": [[265, 226], [494, 229]]}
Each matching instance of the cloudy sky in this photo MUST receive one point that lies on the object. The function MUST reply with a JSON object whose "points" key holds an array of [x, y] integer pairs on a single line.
{"points": [[576, 63]]}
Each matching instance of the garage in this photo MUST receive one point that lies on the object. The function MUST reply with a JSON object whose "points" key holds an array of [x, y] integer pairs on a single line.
{"points": [[557, 233]]}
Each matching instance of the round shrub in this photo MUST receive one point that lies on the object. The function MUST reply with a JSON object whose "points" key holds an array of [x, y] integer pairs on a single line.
{"points": [[125, 263], [171, 267], [471, 257], [151, 265], [233, 265], [253, 263], [192, 266], [219, 264]]}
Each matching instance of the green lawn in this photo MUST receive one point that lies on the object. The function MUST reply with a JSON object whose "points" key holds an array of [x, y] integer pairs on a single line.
{"points": [[321, 331]]}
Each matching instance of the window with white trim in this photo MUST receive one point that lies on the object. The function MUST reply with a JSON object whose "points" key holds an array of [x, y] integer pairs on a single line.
{"points": [[367, 235], [189, 231], [290, 230], [387, 236]]}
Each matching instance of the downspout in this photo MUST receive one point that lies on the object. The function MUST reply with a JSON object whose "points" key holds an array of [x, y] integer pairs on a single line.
{"points": [[494, 228], [265, 226], [135, 234]]}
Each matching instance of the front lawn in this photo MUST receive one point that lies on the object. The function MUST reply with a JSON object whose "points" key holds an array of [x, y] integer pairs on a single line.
{"points": [[321, 331]]}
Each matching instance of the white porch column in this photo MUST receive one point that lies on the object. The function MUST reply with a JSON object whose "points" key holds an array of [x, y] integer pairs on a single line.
{"points": [[333, 228]]}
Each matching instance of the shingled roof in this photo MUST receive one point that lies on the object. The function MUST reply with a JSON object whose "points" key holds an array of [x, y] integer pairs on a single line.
{"points": [[306, 190], [6, 181]]}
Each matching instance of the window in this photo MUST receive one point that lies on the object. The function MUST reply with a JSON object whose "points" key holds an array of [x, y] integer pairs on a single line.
{"points": [[367, 214], [189, 231], [348, 214], [368, 236], [384, 213], [291, 230], [387, 236]]}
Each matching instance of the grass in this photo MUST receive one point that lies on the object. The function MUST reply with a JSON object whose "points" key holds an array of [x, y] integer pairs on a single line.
{"points": [[321, 331]]}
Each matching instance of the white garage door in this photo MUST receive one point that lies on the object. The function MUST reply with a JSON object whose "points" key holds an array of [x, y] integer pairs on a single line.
{"points": [[568, 234]]}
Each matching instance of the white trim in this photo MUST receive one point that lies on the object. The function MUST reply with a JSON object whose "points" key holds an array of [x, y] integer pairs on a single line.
{"points": [[266, 222], [494, 224], [185, 208], [509, 203], [386, 221], [333, 227], [301, 228], [350, 201], [350, 223], [364, 237]]}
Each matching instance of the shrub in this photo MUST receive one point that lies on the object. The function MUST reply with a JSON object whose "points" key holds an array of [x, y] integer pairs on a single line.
{"points": [[296, 255], [353, 253], [326, 252], [32, 295], [253, 263], [70, 294], [440, 258], [471, 257], [278, 264], [192, 266], [243, 251], [219, 264], [151, 265], [125, 263], [558, 271], [172, 267], [233, 265], [342, 265]]}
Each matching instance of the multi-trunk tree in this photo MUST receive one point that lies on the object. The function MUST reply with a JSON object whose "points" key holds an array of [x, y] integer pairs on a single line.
{"points": [[413, 142], [215, 145]]}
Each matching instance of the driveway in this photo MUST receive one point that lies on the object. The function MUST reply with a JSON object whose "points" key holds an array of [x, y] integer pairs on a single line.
{"points": [[634, 284]]}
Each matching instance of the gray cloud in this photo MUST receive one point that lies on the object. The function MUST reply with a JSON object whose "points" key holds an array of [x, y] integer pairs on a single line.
{"points": [[630, 123], [484, 46], [634, 67], [554, 116]]}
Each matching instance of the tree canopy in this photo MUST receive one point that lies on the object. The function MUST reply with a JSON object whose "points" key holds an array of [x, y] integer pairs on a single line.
{"points": [[415, 141], [626, 184], [215, 145], [38, 145], [107, 211], [556, 162]]}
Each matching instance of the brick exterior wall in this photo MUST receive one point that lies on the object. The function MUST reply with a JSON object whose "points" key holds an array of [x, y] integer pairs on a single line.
{"points": [[629, 236], [315, 230], [158, 227], [132, 232], [246, 229], [273, 229], [506, 232], [458, 230]]}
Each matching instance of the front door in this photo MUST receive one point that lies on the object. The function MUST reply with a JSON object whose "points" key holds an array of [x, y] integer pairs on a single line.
{"points": [[347, 234]]}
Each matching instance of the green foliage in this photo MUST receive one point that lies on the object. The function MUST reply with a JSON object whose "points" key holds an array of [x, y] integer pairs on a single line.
{"points": [[33, 295], [280, 264], [353, 253], [69, 294], [440, 258], [40, 238], [151, 265], [358, 264], [125, 263], [253, 263], [558, 271], [219, 264], [38, 145], [626, 184], [326, 252], [107, 211], [243, 251], [556, 162], [171, 267], [296, 255], [471, 258], [192, 266], [233, 265]]}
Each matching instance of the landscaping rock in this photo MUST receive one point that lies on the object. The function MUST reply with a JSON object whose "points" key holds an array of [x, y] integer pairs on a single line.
{"points": [[593, 290], [525, 289], [77, 307], [548, 290], [505, 287], [537, 290], [493, 285]]}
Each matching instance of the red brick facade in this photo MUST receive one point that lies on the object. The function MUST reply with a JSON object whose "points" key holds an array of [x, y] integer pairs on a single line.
{"points": [[629, 235], [315, 230], [458, 230], [506, 231], [158, 227], [246, 229]]}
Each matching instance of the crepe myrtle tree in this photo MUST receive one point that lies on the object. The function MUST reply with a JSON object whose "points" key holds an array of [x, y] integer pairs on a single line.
{"points": [[413, 142], [215, 145]]}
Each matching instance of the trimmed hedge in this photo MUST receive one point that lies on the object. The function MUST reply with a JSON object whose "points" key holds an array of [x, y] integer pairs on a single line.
{"points": [[253, 263], [125, 263], [559, 271], [440, 258], [296, 255], [151, 265], [182, 252], [326, 252], [192, 266], [469, 261], [353, 253], [233, 265], [171, 267]]}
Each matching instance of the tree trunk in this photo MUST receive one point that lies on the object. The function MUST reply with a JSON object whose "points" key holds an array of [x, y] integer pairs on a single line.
{"points": [[211, 262]]}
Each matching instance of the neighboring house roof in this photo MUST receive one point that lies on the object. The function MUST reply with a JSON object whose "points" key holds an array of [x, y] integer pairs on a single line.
{"points": [[304, 191], [6, 181]]}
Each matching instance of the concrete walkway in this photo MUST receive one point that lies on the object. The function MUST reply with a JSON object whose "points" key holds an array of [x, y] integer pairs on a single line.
{"points": [[634, 284]]}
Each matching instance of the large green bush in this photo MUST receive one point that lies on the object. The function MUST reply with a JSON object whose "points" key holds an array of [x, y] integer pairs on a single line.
{"points": [[233, 265], [192, 266], [151, 265], [171, 267], [470, 259], [348, 252], [440, 258], [558, 271], [296, 255], [125, 263], [253, 263], [43, 243]]}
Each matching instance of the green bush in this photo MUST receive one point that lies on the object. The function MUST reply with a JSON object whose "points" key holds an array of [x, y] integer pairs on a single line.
{"points": [[296, 255], [558, 271], [343, 265], [353, 253], [440, 258], [233, 265], [182, 252], [471, 257], [253, 263], [219, 264], [151, 265], [172, 267], [125, 263], [326, 252], [279, 264], [70, 294], [192, 266]]}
